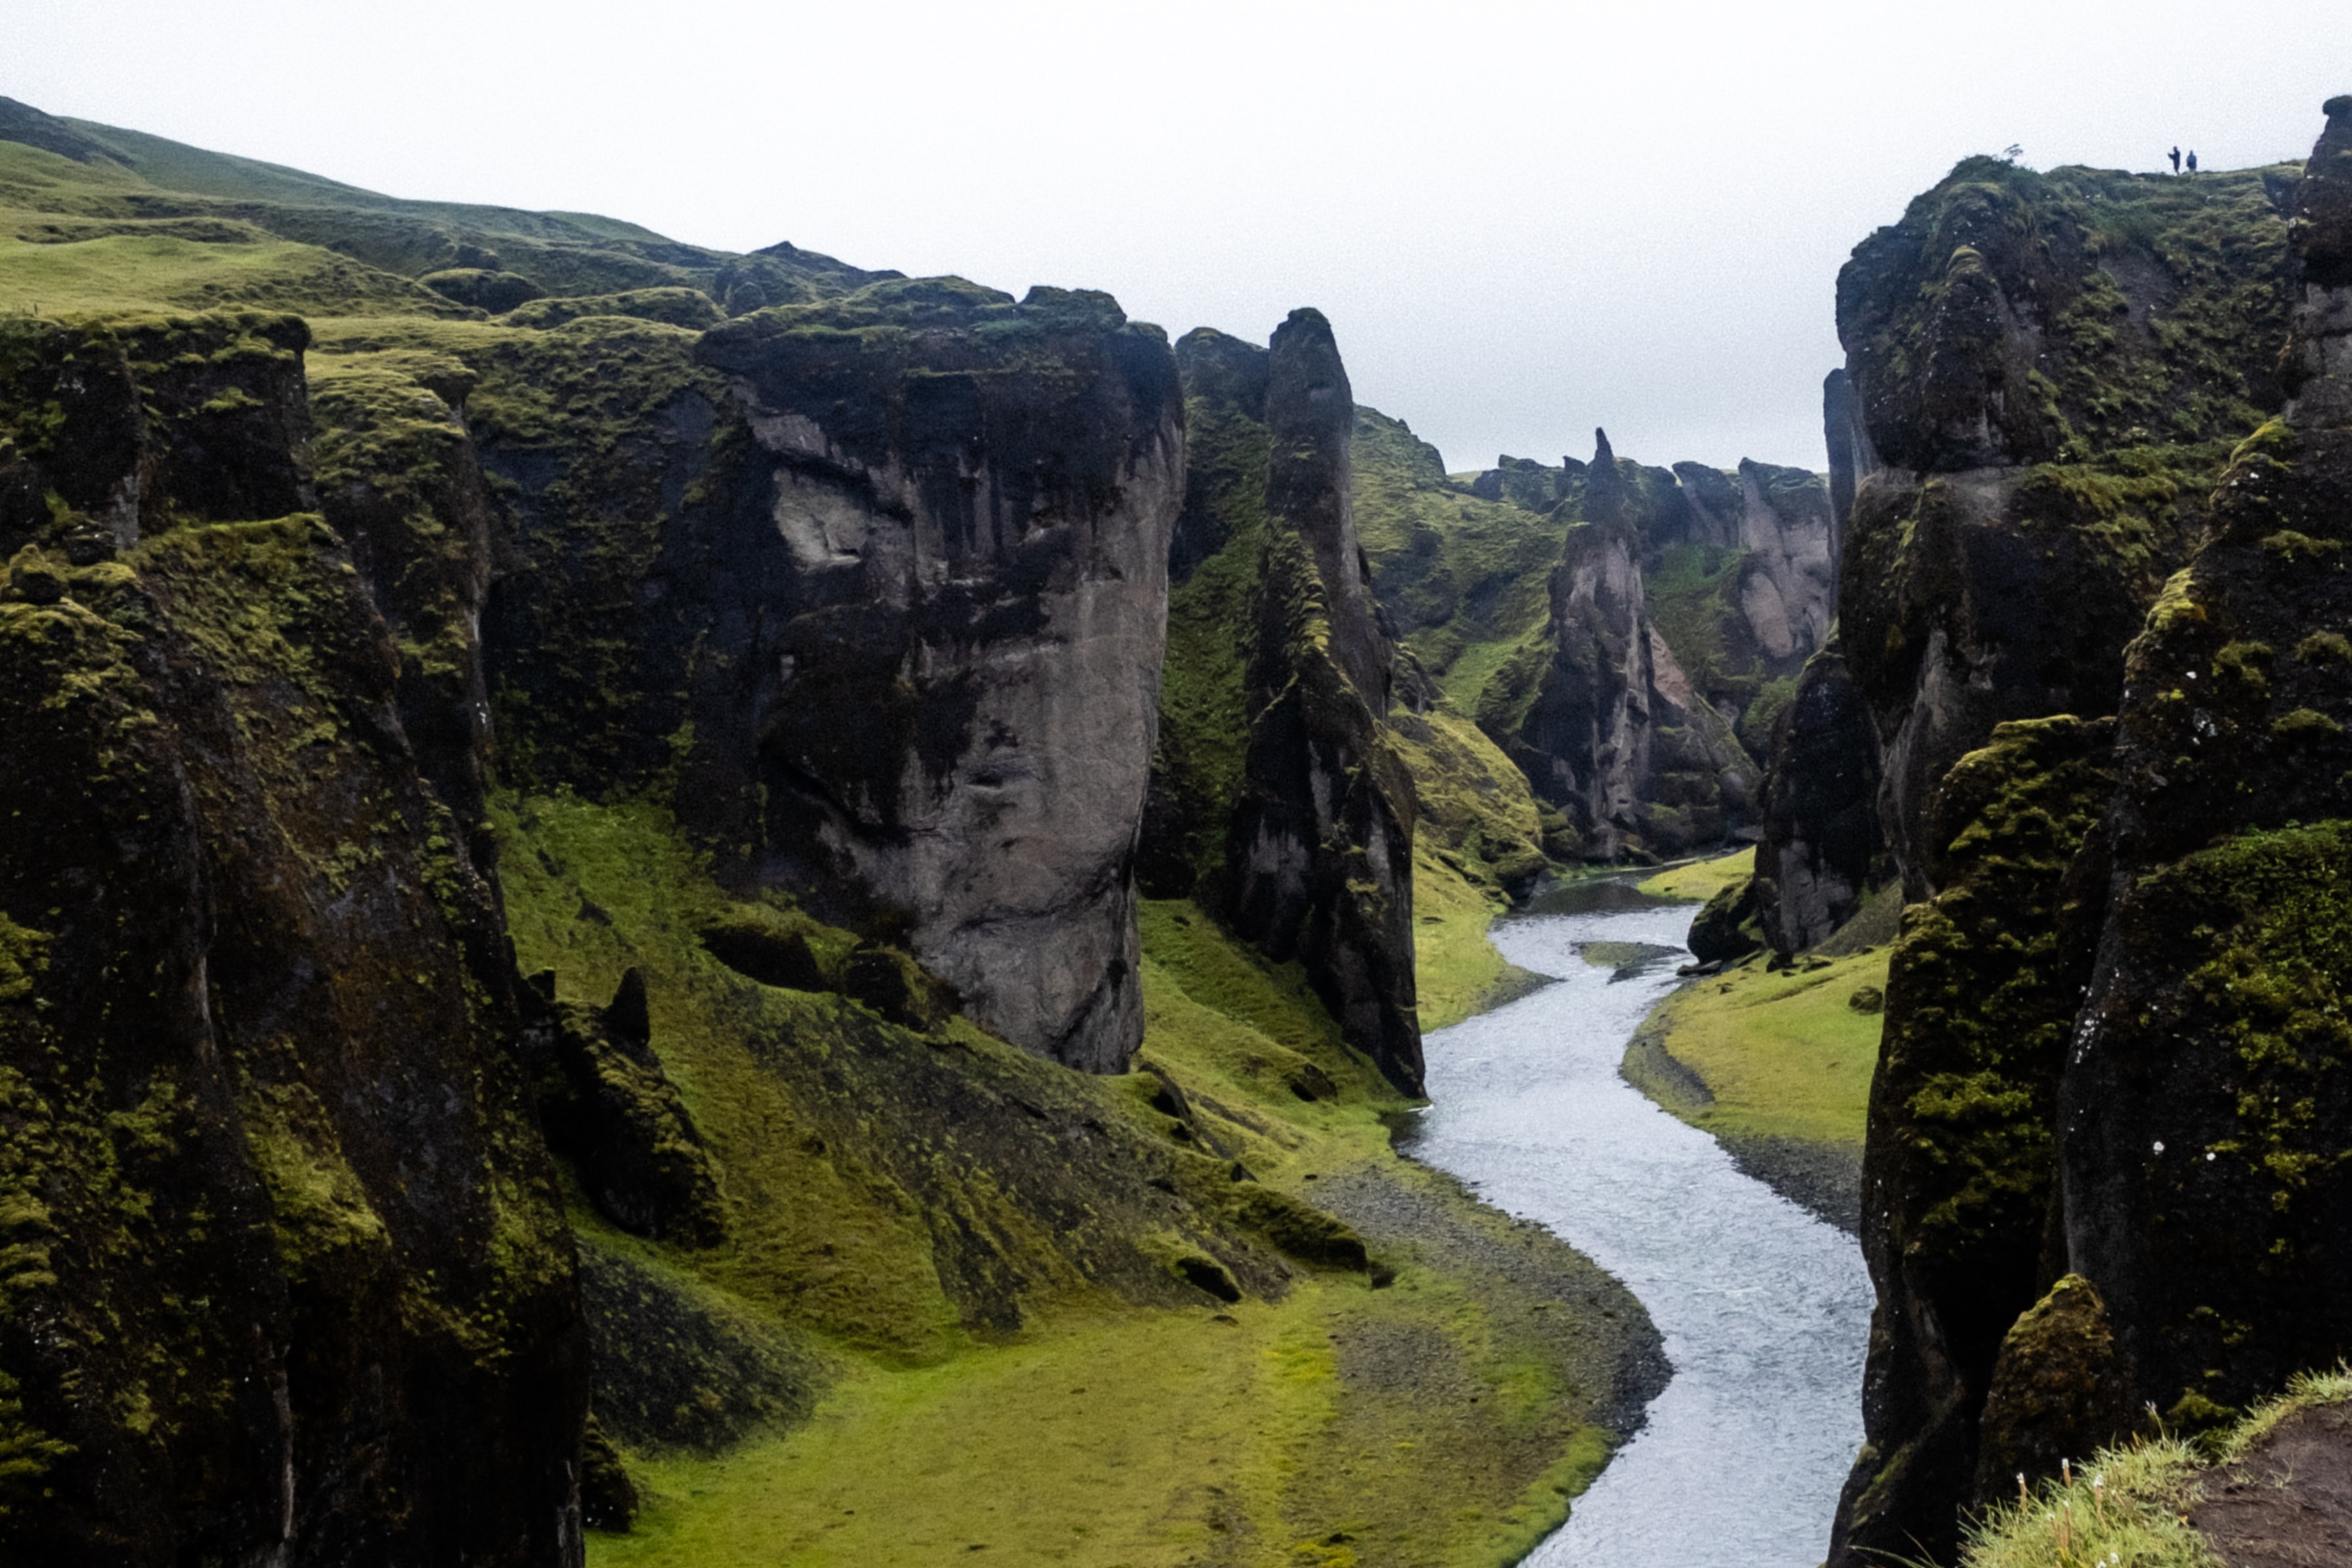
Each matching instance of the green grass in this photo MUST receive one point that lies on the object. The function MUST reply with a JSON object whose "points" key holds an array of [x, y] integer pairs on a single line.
{"points": [[1458, 972], [1162, 1440], [1699, 881], [1257, 1438], [1782, 1054]]}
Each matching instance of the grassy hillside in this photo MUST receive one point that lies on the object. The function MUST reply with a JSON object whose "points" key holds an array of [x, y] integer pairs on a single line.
{"points": [[1056, 1400]]}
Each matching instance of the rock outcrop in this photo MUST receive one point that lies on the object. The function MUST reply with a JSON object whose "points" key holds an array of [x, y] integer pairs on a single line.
{"points": [[920, 621], [1612, 732], [1821, 851], [276, 1206], [1320, 845]]}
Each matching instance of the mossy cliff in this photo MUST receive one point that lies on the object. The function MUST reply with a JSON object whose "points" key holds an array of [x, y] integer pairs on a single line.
{"points": [[2204, 1100], [2052, 369], [2107, 1042], [1278, 786], [1959, 1162], [290, 1272]]}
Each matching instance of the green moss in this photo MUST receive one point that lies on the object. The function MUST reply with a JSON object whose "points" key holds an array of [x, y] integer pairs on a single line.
{"points": [[2271, 983], [2325, 647], [26, 1455]]}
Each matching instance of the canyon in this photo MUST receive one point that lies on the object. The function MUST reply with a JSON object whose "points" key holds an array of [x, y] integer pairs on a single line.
{"points": [[624, 852]]}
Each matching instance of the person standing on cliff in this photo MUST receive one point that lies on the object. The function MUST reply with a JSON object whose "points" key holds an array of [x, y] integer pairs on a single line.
{"points": [[2176, 159], [2192, 160]]}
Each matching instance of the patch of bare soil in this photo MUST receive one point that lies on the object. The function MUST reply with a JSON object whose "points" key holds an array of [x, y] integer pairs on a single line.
{"points": [[2288, 1502]]}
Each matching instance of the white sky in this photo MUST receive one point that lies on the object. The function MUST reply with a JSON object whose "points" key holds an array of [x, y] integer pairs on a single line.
{"points": [[1522, 221]]}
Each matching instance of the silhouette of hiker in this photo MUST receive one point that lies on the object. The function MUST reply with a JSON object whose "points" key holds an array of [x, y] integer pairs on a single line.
{"points": [[2192, 161], [2176, 159]]}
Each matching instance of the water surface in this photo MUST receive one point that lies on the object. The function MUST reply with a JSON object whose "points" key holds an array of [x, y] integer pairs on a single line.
{"points": [[1765, 1309]]}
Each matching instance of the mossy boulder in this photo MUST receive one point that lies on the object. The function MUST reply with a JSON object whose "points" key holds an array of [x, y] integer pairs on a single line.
{"points": [[2058, 1392], [1725, 930], [611, 1109]]}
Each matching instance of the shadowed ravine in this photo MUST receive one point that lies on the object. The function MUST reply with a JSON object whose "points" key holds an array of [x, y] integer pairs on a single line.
{"points": [[1765, 1309]]}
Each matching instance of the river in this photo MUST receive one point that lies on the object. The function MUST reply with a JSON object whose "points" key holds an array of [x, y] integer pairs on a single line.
{"points": [[1765, 1309]]}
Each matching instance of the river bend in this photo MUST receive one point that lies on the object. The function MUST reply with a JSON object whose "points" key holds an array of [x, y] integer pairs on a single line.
{"points": [[1765, 1311]]}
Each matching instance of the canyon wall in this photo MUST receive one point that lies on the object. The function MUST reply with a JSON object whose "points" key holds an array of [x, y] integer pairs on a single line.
{"points": [[1280, 793], [291, 1276], [2048, 383]]}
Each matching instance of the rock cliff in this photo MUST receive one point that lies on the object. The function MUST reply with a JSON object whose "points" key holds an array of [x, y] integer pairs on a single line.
{"points": [[2050, 378], [1821, 852], [276, 1198], [1279, 790], [2201, 1107], [1612, 731], [969, 504]]}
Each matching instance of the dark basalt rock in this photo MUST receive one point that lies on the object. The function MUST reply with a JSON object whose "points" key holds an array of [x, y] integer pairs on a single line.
{"points": [[1614, 735], [611, 1109], [263, 1113], [939, 590], [1959, 1164], [2097, 1012], [1821, 851], [144, 421], [1320, 848], [2202, 1110]]}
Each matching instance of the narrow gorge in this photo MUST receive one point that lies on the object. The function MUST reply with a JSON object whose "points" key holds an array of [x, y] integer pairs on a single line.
{"points": [[668, 906]]}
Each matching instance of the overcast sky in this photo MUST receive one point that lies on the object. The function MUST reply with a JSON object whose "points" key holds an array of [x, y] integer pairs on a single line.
{"points": [[1523, 221]]}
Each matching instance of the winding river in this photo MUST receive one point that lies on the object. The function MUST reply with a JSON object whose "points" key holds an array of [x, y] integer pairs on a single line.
{"points": [[1765, 1309]]}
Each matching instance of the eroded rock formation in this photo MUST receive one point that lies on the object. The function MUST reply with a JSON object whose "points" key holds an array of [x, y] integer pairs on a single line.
{"points": [[975, 527], [1614, 734], [1820, 854], [1320, 847]]}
